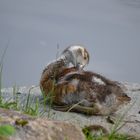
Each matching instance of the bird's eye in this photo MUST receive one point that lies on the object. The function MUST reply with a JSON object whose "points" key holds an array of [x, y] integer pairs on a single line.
{"points": [[85, 57]]}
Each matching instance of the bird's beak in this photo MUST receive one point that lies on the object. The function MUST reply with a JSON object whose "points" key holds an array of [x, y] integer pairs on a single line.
{"points": [[79, 67]]}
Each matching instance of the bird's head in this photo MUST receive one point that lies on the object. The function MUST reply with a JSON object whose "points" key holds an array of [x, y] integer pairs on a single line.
{"points": [[77, 55]]}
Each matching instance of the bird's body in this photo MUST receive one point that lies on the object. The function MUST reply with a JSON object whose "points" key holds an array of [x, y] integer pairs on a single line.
{"points": [[100, 95]]}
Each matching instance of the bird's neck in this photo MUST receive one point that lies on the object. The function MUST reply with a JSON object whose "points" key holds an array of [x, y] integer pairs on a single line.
{"points": [[65, 58]]}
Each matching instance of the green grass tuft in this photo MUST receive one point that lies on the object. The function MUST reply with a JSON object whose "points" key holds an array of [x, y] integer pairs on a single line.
{"points": [[7, 130], [31, 107]]}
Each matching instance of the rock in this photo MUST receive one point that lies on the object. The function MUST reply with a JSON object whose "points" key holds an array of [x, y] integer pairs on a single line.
{"points": [[39, 129], [129, 114]]}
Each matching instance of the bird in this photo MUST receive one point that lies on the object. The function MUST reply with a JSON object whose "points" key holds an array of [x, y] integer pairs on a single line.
{"points": [[76, 90]]}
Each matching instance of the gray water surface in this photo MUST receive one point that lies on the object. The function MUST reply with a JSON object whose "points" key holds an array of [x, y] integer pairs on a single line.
{"points": [[109, 29]]}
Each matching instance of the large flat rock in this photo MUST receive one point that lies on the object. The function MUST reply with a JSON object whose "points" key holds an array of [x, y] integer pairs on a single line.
{"points": [[129, 114], [38, 128]]}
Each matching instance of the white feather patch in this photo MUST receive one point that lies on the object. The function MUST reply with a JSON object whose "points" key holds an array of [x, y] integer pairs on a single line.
{"points": [[98, 80]]}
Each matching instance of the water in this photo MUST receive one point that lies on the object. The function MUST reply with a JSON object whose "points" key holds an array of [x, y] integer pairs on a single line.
{"points": [[110, 30]]}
